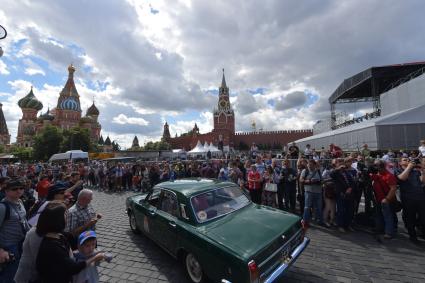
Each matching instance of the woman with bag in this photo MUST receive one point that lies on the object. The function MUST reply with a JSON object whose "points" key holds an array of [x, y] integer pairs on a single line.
{"points": [[270, 188]]}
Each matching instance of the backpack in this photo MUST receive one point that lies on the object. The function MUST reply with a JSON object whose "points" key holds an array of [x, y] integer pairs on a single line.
{"points": [[7, 206], [34, 209]]}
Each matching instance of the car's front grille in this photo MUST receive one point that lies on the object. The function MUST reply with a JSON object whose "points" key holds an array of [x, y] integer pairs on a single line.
{"points": [[278, 255]]}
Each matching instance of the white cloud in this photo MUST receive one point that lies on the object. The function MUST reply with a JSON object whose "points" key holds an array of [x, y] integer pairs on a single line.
{"points": [[122, 119], [3, 68], [33, 68]]}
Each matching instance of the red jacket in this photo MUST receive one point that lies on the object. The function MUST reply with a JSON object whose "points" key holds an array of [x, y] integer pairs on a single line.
{"points": [[382, 183], [254, 185]]}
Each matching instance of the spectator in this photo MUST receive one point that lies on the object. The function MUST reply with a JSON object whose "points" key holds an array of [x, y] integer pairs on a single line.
{"points": [[294, 151], [287, 188], [308, 152], [422, 149], [365, 151], [411, 178], [27, 271], [42, 187], [329, 198], [335, 151], [86, 249], [269, 188], [384, 187], [75, 178], [254, 184], [81, 216], [344, 195], [311, 178], [13, 227], [53, 263]]}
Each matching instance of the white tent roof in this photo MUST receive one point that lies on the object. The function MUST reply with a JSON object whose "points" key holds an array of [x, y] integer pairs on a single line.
{"points": [[212, 148], [409, 116], [199, 148]]}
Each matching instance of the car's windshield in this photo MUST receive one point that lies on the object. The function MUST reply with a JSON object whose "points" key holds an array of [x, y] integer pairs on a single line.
{"points": [[218, 202]]}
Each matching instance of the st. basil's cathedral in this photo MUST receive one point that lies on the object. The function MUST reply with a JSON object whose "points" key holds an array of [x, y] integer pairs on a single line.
{"points": [[66, 114]]}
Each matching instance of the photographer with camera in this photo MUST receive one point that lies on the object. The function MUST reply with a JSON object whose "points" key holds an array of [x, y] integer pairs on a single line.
{"points": [[384, 187], [411, 178], [344, 184], [311, 178], [13, 228]]}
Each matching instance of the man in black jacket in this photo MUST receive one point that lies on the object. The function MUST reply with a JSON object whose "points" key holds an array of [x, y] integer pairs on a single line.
{"points": [[344, 185], [411, 179]]}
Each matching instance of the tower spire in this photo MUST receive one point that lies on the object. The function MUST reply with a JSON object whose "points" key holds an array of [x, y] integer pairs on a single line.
{"points": [[223, 80]]}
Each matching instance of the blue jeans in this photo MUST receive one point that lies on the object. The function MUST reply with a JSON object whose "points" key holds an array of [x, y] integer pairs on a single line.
{"points": [[386, 219], [313, 201], [9, 270]]}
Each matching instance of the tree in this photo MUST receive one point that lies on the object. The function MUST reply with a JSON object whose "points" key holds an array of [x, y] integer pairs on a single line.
{"points": [[76, 138], [47, 142], [22, 153], [115, 146], [159, 145]]}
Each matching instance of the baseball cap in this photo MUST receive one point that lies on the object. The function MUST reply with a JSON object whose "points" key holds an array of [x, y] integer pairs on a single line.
{"points": [[56, 188], [89, 234]]}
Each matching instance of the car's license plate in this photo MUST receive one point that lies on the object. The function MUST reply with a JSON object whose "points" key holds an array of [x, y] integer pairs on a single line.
{"points": [[285, 253]]}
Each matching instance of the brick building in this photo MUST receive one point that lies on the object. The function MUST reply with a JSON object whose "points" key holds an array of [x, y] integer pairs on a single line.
{"points": [[65, 115], [224, 134]]}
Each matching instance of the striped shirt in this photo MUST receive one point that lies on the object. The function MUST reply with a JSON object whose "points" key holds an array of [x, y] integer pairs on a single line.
{"points": [[13, 229]]}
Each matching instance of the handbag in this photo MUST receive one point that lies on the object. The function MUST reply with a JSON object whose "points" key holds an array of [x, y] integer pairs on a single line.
{"points": [[270, 187]]}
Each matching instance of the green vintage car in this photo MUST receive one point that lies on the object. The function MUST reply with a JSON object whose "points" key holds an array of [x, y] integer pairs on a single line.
{"points": [[217, 232]]}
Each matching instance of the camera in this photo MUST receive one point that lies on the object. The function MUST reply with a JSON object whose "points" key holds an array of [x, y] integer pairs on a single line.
{"points": [[417, 161], [108, 257]]}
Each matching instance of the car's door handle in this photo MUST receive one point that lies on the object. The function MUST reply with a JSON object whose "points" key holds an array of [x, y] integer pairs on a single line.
{"points": [[172, 224], [152, 212]]}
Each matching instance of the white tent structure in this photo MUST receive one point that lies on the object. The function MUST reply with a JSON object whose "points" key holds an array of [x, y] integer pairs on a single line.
{"points": [[400, 130], [198, 149], [212, 148]]}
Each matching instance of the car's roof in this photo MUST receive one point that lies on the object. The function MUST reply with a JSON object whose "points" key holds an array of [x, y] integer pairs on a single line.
{"points": [[193, 186]]}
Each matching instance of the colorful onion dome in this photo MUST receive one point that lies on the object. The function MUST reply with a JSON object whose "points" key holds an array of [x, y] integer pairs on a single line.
{"points": [[70, 103], [30, 101], [92, 111], [46, 116]]}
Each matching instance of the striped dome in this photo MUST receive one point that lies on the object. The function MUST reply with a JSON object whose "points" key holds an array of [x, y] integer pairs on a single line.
{"points": [[30, 101], [70, 104], [93, 111]]}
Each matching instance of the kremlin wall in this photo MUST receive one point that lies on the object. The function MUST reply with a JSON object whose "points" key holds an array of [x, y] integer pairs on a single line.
{"points": [[223, 133]]}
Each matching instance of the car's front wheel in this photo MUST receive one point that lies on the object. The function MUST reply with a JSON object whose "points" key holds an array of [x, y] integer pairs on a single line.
{"points": [[133, 225], [194, 269]]}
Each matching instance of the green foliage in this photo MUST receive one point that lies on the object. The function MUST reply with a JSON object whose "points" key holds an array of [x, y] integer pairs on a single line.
{"points": [[22, 153], [243, 146], [1, 148], [47, 142], [160, 145], [115, 146], [76, 138]]}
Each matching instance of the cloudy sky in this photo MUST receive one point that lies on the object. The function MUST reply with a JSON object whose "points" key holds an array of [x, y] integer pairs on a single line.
{"points": [[147, 62]]}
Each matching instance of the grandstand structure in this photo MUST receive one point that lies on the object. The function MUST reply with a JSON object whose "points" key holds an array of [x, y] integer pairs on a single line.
{"points": [[397, 93]]}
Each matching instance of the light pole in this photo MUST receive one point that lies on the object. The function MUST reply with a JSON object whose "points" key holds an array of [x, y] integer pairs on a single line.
{"points": [[3, 34]]}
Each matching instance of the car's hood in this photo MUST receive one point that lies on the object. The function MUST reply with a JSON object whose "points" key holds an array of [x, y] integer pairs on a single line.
{"points": [[250, 229]]}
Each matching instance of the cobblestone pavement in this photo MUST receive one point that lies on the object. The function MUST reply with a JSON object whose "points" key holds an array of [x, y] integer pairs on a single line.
{"points": [[330, 257]]}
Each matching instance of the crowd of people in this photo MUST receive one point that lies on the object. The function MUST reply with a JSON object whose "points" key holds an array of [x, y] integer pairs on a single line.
{"points": [[48, 236], [47, 224]]}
